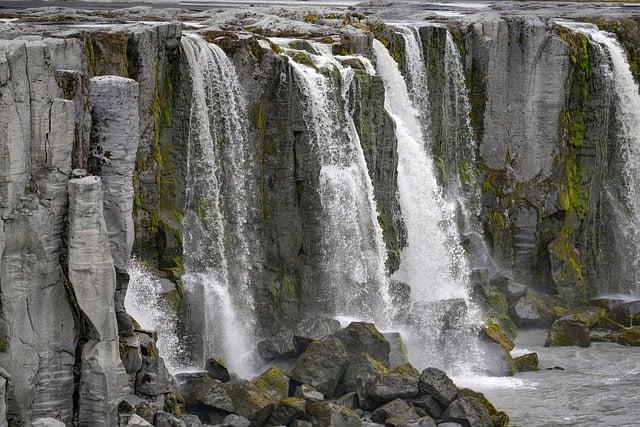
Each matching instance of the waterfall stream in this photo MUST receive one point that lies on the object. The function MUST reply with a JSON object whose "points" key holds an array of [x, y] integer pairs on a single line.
{"points": [[354, 254], [215, 246]]}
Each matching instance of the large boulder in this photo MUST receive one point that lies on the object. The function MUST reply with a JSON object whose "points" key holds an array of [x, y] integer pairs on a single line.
{"points": [[281, 345], [512, 290], [498, 418], [250, 401], [361, 367], [429, 405], [527, 362], [401, 382], [630, 337], [204, 396], [395, 412], [537, 310], [153, 378], [468, 412], [322, 365], [314, 328], [567, 332], [589, 315], [362, 337], [274, 382], [289, 409], [438, 385], [216, 369], [330, 414], [398, 354]]}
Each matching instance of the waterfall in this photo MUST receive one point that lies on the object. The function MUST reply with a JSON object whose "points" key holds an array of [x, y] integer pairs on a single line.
{"points": [[625, 203], [433, 262], [215, 242], [146, 302], [353, 250]]}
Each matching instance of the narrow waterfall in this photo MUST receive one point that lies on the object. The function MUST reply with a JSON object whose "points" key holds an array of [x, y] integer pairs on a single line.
{"points": [[624, 195], [215, 246], [433, 262], [146, 302], [354, 253]]}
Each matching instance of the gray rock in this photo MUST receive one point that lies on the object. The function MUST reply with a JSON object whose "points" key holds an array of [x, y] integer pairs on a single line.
{"points": [[132, 404], [136, 421], [308, 393], [361, 367], [287, 410], [192, 420], [398, 354], [314, 328], [233, 420], [153, 378], [46, 422], [165, 419], [468, 412], [430, 405], [567, 332], [422, 422], [401, 383], [329, 414], [250, 401], [349, 400], [437, 384], [217, 370], [510, 288], [400, 293], [130, 354], [203, 393], [398, 410], [321, 365], [362, 337], [282, 345]]}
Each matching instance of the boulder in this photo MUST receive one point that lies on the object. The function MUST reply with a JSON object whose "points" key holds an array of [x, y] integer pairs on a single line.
{"points": [[567, 332], [536, 310], [394, 412], [428, 404], [498, 418], [349, 400], [249, 401], [153, 378], [314, 328], [191, 420], [630, 337], [589, 315], [438, 385], [468, 412], [281, 345], [497, 301], [204, 395], [132, 404], [216, 370], [287, 410], [46, 422], [398, 354], [511, 289], [401, 382], [359, 366], [494, 330], [330, 414], [425, 421], [479, 276], [273, 382], [136, 421], [308, 393], [527, 362], [362, 337], [233, 420], [165, 419], [499, 360], [322, 365], [130, 354]]}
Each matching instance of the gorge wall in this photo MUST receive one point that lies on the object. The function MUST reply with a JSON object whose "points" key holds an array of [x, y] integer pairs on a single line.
{"points": [[94, 168]]}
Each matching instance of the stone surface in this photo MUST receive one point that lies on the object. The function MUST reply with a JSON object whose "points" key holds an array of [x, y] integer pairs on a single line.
{"points": [[329, 414], [527, 362], [467, 412], [322, 365], [398, 410], [566, 332], [279, 346], [437, 384], [398, 354], [361, 337]]}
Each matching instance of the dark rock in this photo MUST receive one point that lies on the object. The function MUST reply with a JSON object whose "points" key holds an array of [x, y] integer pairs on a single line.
{"points": [[330, 414], [493, 329], [130, 354], [217, 370], [314, 328], [360, 366], [589, 315], [532, 311], [273, 382], [498, 418], [397, 411], [204, 395], [512, 290], [430, 405], [630, 337], [132, 404], [349, 400], [362, 337], [468, 412], [165, 419], [322, 365], [437, 384], [282, 345], [527, 362], [309, 393], [250, 401], [401, 382], [422, 422], [153, 378], [191, 420], [567, 332], [287, 410], [479, 276], [300, 423]]}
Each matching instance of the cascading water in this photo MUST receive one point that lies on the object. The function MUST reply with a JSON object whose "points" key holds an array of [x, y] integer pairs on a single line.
{"points": [[433, 262], [354, 254], [625, 203], [215, 247]]}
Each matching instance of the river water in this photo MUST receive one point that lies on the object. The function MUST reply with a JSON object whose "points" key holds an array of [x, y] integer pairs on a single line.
{"points": [[600, 385]]}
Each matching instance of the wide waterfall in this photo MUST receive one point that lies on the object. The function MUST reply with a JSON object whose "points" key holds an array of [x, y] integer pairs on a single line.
{"points": [[623, 193], [433, 262], [215, 246], [353, 250]]}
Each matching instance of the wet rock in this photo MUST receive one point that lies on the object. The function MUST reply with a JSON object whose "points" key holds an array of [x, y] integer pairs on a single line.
{"points": [[566, 271], [308, 392], [401, 382], [322, 365], [165, 419], [274, 382], [217, 370], [249, 401], [191, 420], [130, 354], [532, 311], [494, 330], [588, 315], [287, 410], [136, 421], [568, 332], [480, 276], [362, 337], [398, 354], [203, 395], [233, 420], [468, 412], [329, 414], [437, 384], [400, 293], [512, 290], [281, 345], [498, 418], [313, 328], [422, 422], [394, 412], [527, 362], [153, 378], [630, 336], [428, 404], [499, 360], [360, 366]]}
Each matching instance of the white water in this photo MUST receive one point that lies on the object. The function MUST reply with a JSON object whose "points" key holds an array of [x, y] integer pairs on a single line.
{"points": [[354, 253], [214, 229], [146, 305], [628, 118]]}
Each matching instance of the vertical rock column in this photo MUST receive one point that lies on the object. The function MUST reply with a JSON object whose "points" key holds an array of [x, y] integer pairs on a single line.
{"points": [[114, 143], [92, 274]]}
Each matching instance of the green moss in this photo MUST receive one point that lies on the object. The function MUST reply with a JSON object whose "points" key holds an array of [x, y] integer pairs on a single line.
{"points": [[466, 175], [497, 220], [304, 59], [458, 39], [4, 345], [258, 118]]}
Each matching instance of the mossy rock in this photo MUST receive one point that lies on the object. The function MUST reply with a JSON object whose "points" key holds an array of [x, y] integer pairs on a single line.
{"points": [[497, 301], [330, 414], [494, 330], [527, 362], [498, 418], [304, 59], [630, 337], [568, 332], [589, 315], [274, 381]]}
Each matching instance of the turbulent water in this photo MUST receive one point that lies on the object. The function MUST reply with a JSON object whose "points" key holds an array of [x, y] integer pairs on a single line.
{"points": [[215, 247], [353, 250], [624, 194], [598, 387]]}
